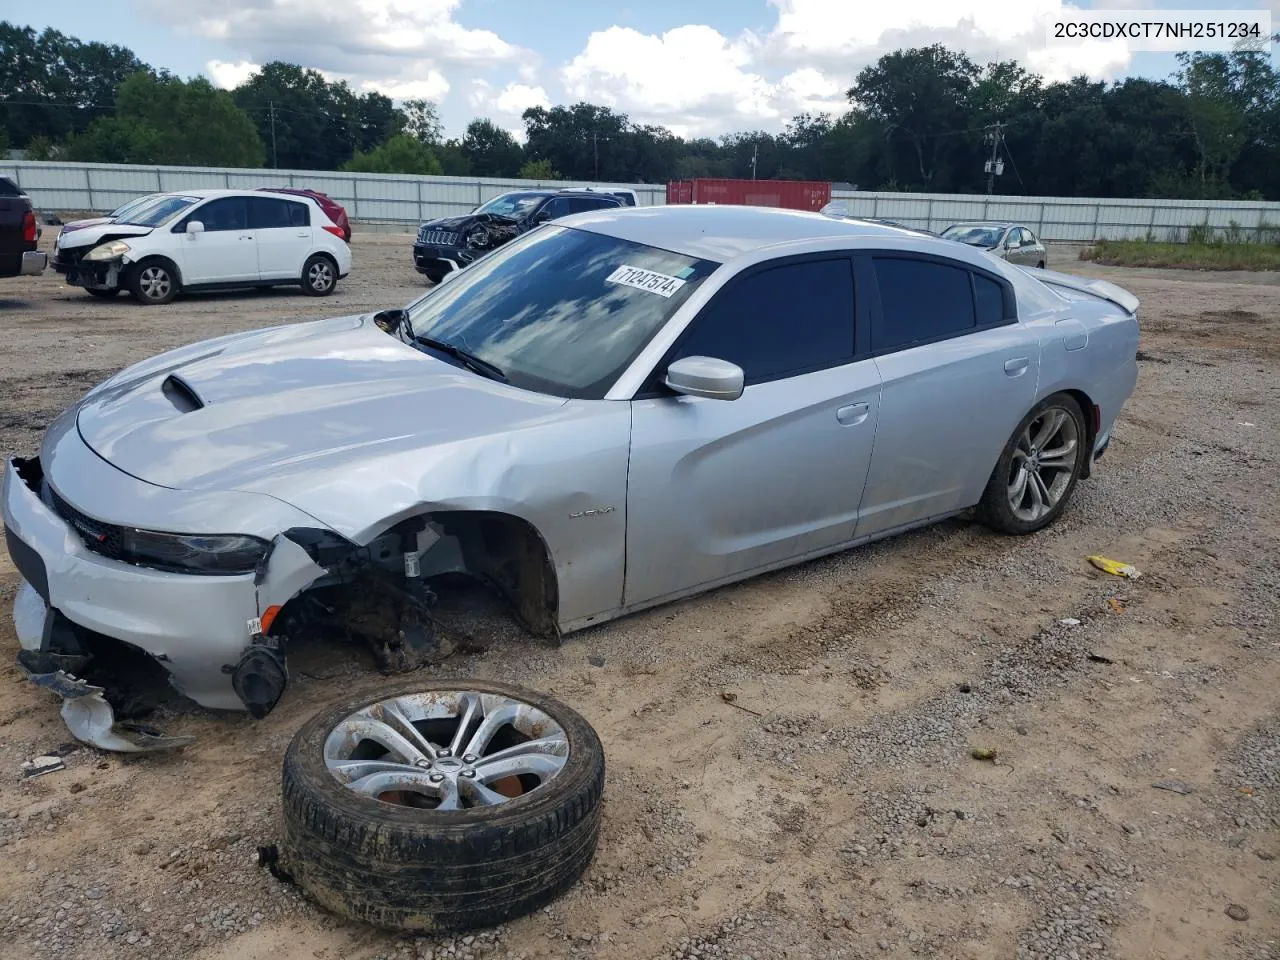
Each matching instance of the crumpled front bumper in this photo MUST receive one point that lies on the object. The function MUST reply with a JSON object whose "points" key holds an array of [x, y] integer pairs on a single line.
{"points": [[85, 709], [195, 627]]}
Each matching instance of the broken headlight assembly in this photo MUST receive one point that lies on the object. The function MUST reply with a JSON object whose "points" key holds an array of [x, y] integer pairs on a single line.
{"points": [[108, 251], [194, 553]]}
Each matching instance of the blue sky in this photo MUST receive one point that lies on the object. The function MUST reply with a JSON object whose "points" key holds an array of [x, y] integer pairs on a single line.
{"points": [[700, 68]]}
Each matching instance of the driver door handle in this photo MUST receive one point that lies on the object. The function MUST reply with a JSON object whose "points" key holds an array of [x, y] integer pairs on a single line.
{"points": [[1017, 366], [853, 414]]}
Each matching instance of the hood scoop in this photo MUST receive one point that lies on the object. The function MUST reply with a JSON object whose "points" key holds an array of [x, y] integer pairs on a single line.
{"points": [[181, 394]]}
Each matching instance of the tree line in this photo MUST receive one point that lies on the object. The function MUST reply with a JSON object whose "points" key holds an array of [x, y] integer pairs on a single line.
{"points": [[923, 119]]}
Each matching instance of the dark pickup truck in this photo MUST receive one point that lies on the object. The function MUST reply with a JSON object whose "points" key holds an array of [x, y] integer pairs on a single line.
{"points": [[18, 233]]}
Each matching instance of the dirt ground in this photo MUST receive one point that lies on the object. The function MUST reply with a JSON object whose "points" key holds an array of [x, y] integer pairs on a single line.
{"points": [[834, 810]]}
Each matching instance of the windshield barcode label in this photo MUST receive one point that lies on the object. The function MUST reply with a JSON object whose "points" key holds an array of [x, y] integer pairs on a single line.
{"points": [[646, 280]]}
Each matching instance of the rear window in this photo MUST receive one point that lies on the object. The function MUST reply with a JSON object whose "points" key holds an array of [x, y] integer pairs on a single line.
{"points": [[10, 189], [920, 301]]}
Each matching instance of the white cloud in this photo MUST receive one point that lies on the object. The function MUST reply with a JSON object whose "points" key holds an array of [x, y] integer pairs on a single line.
{"points": [[691, 79], [230, 75], [694, 79], [517, 98], [402, 48], [832, 36]]}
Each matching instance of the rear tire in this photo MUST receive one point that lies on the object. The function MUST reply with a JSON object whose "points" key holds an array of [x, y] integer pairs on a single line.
{"points": [[1038, 469], [154, 282], [319, 275], [410, 868], [104, 294]]}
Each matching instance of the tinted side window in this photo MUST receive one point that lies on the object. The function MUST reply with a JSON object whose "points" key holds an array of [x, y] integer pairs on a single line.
{"points": [[555, 209], [1028, 236], [582, 204], [626, 199], [920, 300], [779, 322], [229, 213], [267, 213], [988, 298]]}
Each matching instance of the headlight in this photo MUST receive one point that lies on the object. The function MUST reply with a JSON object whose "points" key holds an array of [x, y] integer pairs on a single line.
{"points": [[108, 251], [221, 553]]}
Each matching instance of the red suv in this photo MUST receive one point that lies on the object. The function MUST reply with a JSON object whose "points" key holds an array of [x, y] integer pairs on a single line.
{"points": [[333, 210]]}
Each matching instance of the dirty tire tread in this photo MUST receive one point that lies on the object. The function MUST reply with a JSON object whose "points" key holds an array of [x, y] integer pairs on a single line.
{"points": [[993, 509], [415, 871]]}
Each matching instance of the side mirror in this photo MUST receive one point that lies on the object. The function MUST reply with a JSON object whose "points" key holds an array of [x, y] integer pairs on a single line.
{"points": [[194, 227], [542, 216], [706, 377]]}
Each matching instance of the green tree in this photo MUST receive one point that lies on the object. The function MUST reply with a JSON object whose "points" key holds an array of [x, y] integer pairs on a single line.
{"points": [[538, 170], [422, 120], [378, 120], [60, 83], [168, 120], [305, 122], [453, 159], [403, 153], [921, 96], [41, 148], [490, 150]]}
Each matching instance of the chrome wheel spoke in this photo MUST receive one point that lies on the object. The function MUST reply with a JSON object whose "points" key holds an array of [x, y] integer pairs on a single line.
{"points": [[1049, 426], [393, 717], [367, 728], [479, 794], [1018, 489], [492, 723], [470, 712], [540, 765], [406, 778]]}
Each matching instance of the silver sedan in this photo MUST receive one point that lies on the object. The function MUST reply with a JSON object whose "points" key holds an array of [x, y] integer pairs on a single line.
{"points": [[611, 412], [1008, 241]]}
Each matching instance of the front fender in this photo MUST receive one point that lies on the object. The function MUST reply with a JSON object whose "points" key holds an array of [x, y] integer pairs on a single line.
{"points": [[565, 476]]}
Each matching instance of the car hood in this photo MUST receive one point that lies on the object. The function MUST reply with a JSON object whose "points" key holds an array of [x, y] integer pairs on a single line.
{"points": [[84, 224], [94, 233], [248, 412], [466, 220]]}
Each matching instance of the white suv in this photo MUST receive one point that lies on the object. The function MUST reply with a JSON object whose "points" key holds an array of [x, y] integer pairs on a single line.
{"points": [[206, 240]]}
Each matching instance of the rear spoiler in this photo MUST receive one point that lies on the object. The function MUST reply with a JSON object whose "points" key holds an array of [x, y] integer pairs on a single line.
{"points": [[1123, 299]]}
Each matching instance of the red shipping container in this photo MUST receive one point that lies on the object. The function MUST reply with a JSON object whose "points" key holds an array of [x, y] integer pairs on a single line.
{"points": [[792, 194]]}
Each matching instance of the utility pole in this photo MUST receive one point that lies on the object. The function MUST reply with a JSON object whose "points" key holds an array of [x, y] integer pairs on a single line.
{"points": [[271, 108], [994, 167], [595, 152], [755, 151]]}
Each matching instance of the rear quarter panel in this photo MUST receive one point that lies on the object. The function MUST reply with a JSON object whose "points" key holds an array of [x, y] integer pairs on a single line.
{"points": [[1105, 367]]}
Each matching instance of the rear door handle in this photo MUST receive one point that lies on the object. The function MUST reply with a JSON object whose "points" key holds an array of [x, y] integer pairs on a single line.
{"points": [[303, 233], [853, 414], [1017, 366]]}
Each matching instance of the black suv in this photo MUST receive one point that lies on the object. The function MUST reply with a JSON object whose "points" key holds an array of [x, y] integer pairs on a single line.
{"points": [[451, 243]]}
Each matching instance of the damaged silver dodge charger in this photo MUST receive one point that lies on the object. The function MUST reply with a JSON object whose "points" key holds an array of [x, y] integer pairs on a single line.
{"points": [[614, 410]]}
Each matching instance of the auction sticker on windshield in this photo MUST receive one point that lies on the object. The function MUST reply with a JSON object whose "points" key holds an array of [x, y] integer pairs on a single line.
{"points": [[646, 280]]}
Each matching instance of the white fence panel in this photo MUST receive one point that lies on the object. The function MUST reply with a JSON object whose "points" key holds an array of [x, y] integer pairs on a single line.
{"points": [[398, 198]]}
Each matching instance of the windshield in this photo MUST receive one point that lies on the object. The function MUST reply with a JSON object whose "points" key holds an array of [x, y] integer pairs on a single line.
{"points": [[559, 310], [158, 211], [976, 236], [514, 205], [136, 203]]}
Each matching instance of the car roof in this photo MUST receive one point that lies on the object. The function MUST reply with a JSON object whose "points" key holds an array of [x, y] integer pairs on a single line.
{"points": [[212, 194], [715, 232], [1003, 224]]}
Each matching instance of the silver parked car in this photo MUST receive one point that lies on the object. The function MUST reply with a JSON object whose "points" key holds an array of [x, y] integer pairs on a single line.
{"points": [[615, 410], [1009, 241]]}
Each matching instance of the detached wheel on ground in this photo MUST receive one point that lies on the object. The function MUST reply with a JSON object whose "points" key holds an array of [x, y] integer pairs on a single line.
{"points": [[319, 276], [104, 294], [154, 282], [1038, 469], [444, 807]]}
